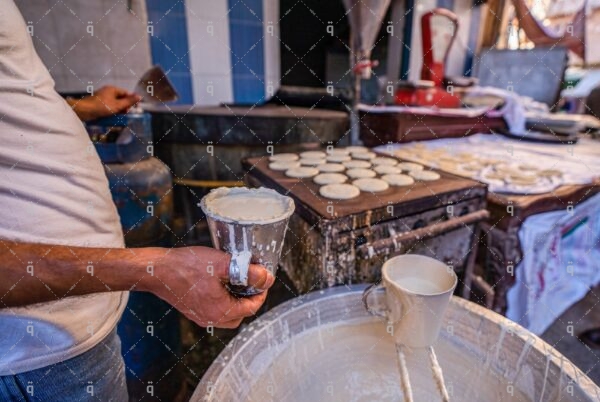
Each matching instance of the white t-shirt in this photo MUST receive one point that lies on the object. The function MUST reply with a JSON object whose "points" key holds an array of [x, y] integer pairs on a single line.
{"points": [[53, 190]]}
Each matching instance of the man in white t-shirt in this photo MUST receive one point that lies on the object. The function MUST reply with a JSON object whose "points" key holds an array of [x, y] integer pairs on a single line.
{"points": [[64, 270]]}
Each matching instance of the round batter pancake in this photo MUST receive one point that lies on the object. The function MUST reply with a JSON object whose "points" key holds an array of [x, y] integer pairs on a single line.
{"points": [[301, 172], [357, 149], [360, 173], [382, 160], [385, 169], [409, 166], [371, 185], [463, 156], [313, 155], [494, 176], [549, 173], [339, 191], [528, 168], [311, 161], [331, 168], [522, 175], [354, 164], [424, 175], [338, 158], [398, 179], [522, 180], [364, 155], [472, 167], [283, 165], [330, 178], [338, 151], [283, 157]]}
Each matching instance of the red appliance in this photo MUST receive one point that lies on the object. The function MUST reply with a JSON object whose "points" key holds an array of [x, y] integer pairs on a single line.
{"points": [[438, 27]]}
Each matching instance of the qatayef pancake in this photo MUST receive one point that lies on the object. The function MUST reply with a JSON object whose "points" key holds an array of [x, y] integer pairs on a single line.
{"points": [[302, 172], [360, 173], [313, 155], [330, 178], [424, 175], [354, 164], [398, 179], [283, 157], [331, 168], [283, 165], [371, 185], [382, 160], [339, 191]]}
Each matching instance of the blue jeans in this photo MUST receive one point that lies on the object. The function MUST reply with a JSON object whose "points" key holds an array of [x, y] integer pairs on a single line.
{"points": [[96, 375]]}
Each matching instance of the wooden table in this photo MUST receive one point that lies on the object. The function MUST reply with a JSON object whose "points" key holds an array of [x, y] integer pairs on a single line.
{"points": [[393, 127]]}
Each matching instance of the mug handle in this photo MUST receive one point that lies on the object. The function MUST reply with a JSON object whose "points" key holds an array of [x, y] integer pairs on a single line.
{"points": [[373, 300], [238, 268]]}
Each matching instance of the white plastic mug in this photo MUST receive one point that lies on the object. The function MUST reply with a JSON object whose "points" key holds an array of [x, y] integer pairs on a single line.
{"points": [[416, 291]]}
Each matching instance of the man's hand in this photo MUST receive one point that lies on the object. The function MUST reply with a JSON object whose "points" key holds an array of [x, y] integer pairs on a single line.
{"points": [[106, 102], [192, 279]]}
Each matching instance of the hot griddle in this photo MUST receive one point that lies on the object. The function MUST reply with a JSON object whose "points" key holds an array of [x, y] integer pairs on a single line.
{"points": [[368, 206], [332, 242]]}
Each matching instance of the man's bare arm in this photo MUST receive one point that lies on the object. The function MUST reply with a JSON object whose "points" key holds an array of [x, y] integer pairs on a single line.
{"points": [[106, 102], [191, 279]]}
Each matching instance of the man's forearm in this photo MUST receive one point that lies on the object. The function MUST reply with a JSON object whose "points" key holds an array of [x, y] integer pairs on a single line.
{"points": [[191, 279], [33, 273]]}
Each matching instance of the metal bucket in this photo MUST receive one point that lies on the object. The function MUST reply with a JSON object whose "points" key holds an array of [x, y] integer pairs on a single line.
{"points": [[324, 346]]}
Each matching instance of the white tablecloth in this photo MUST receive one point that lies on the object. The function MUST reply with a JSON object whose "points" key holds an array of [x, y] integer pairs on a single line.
{"points": [[561, 249], [561, 262], [579, 163]]}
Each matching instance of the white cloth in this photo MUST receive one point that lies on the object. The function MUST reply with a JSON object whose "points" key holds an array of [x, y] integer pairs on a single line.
{"points": [[514, 109], [578, 163], [53, 190], [561, 249], [561, 262]]}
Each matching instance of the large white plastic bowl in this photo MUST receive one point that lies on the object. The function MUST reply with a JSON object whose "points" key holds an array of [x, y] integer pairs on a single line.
{"points": [[324, 346]]}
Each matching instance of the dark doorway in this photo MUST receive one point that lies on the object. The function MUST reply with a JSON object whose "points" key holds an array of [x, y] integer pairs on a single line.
{"points": [[305, 40]]}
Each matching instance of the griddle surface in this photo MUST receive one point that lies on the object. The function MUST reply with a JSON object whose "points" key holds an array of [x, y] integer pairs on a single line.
{"points": [[419, 196]]}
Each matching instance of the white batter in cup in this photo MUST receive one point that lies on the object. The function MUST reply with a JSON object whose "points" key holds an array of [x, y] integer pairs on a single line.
{"points": [[249, 224], [413, 295]]}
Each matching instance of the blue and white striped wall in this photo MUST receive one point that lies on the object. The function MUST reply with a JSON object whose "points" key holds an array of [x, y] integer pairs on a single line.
{"points": [[225, 51], [217, 51]]}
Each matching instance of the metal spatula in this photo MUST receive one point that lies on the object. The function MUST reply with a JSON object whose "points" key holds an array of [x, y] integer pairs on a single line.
{"points": [[154, 87]]}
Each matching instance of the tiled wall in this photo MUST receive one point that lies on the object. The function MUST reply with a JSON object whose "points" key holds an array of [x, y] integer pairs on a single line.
{"points": [[79, 41], [234, 50], [449, 4], [169, 44], [209, 43], [272, 45], [214, 51], [247, 50]]}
